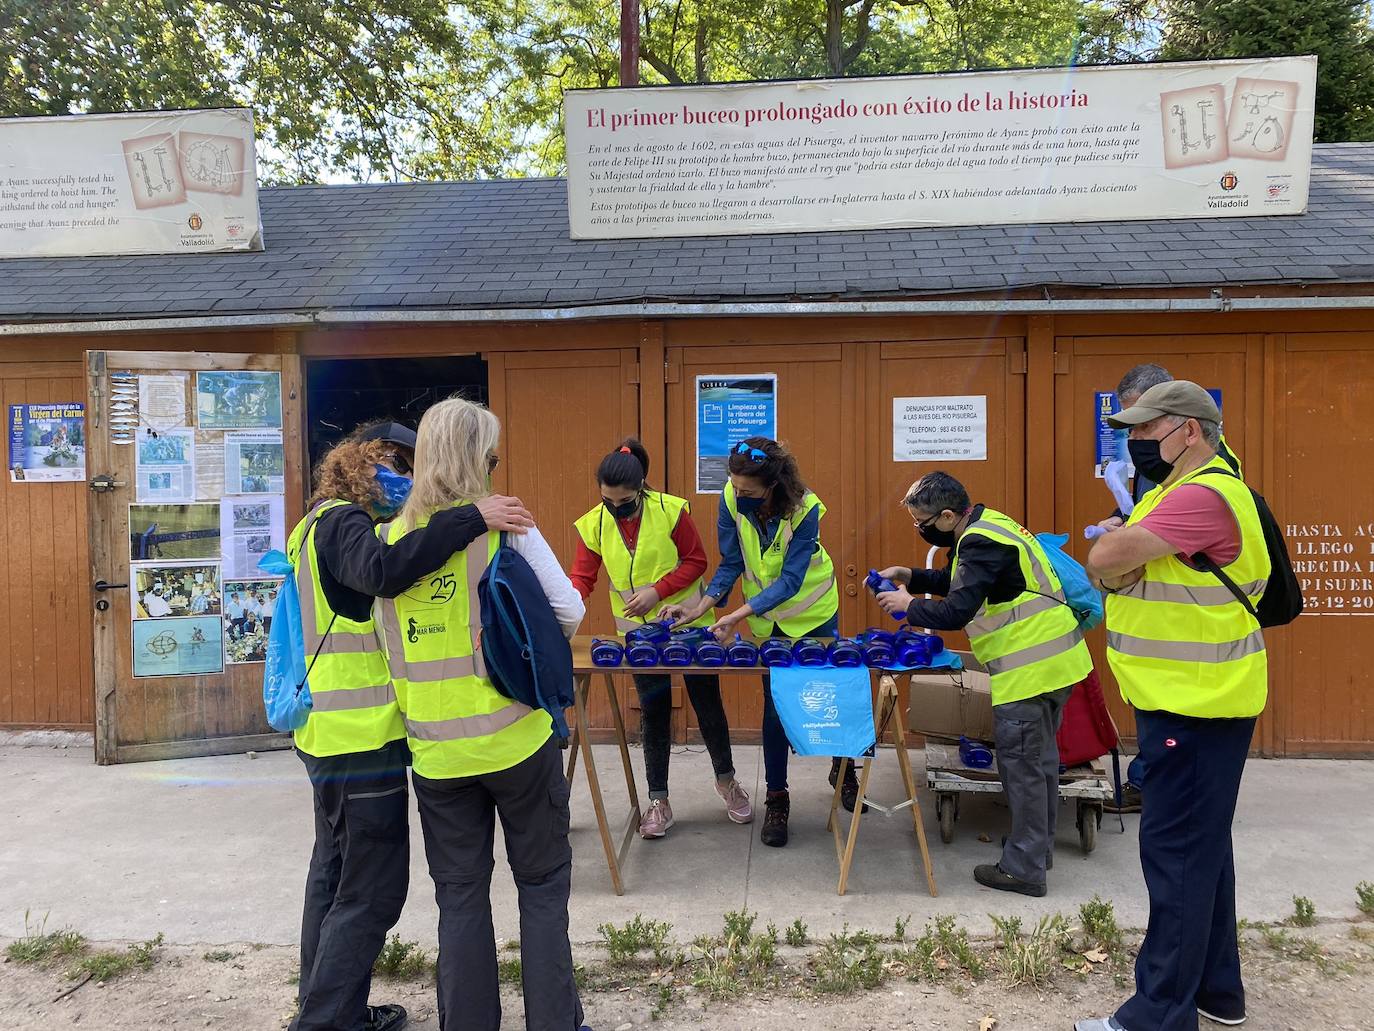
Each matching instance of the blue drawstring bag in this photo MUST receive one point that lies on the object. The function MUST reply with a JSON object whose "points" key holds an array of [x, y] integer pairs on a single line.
{"points": [[285, 690], [1083, 597], [825, 711]]}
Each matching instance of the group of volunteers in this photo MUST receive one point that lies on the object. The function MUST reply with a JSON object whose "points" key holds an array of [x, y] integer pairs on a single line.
{"points": [[402, 526]]}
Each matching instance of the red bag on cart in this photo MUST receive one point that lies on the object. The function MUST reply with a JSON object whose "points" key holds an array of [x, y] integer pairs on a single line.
{"points": [[1088, 731]]}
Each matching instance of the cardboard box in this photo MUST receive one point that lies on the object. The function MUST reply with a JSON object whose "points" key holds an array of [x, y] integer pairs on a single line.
{"points": [[945, 705]]}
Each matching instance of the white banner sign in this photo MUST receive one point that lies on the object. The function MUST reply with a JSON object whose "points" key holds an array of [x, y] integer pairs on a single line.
{"points": [[940, 429], [1145, 141], [147, 183]]}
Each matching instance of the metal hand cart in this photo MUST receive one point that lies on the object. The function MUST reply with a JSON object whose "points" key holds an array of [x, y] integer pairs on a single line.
{"points": [[1088, 786]]}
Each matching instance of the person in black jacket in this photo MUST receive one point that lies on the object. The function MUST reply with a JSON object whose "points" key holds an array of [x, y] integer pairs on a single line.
{"points": [[360, 866]]}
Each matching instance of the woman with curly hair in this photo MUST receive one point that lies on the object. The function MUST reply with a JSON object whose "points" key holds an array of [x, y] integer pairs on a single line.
{"points": [[769, 532], [354, 743]]}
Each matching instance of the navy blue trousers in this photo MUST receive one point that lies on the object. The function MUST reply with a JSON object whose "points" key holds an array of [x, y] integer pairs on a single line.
{"points": [[1189, 958]]}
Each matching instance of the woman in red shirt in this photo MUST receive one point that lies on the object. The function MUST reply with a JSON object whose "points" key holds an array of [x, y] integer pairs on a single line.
{"points": [[653, 556]]}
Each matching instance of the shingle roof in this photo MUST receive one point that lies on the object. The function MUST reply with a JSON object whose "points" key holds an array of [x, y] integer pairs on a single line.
{"points": [[504, 244]]}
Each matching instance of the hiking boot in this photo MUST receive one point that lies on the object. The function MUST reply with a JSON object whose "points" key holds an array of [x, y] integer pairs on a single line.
{"points": [[385, 1018], [736, 799], [849, 792], [991, 875], [777, 805], [1130, 801], [657, 819]]}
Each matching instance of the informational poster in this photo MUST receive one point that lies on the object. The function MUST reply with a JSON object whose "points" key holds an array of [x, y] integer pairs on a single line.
{"points": [[162, 400], [1200, 139], [238, 400], [729, 409], [47, 443], [940, 429], [174, 532], [250, 527], [177, 647], [1109, 443], [165, 466], [182, 589], [173, 182], [254, 463], [209, 465], [248, 608]]}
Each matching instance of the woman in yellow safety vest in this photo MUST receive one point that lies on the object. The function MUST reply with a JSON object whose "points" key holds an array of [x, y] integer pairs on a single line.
{"points": [[654, 558], [476, 753], [769, 532], [353, 743]]}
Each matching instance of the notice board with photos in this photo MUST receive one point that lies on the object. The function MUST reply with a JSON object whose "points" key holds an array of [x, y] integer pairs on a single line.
{"points": [[204, 457]]}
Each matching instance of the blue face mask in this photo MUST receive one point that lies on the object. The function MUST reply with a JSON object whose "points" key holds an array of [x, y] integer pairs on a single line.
{"points": [[395, 490], [748, 505]]}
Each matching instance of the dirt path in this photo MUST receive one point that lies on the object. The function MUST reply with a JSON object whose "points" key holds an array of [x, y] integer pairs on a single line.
{"points": [[1317, 979]]}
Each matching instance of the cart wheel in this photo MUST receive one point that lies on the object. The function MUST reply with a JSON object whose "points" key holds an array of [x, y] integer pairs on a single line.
{"points": [[948, 810], [1089, 816]]}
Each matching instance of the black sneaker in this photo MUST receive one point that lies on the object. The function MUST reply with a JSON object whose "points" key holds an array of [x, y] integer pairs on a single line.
{"points": [[389, 1017], [777, 806], [1223, 1017], [849, 793], [992, 875]]}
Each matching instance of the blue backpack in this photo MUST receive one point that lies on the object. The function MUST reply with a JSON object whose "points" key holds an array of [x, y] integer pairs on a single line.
{"points": [[528, 658], [1083, 597], [285, 684]]}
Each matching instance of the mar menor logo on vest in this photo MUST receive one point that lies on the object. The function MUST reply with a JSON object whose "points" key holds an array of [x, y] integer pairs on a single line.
{"points": [[415, 630]]}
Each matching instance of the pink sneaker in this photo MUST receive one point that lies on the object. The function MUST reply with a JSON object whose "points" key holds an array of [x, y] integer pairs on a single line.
{"points": [[736, 801], [657, 820]]}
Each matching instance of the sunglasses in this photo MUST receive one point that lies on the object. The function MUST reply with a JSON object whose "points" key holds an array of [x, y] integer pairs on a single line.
{"points": [[921, 524], [755, 455], [492, 462]]}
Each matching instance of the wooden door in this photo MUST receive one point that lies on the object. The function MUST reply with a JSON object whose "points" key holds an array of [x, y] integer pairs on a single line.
{"points": [[163, 687], [561, 412], [819, 419], [991, 368], [45, 632], [1321, 681], [1085, 365]]}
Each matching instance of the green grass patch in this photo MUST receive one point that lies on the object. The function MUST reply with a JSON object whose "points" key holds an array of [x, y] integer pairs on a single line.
{"points": [[625, 943], [107, 966], [1304, 912], [219, 956], [401, 960], [1364, 897], [40, 945], [796, 934]]}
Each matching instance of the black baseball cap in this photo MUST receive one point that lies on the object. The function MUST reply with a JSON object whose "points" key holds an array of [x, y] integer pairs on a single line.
{"points": [[393, 432]]}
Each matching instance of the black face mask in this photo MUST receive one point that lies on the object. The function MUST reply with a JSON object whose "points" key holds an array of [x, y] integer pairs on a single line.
{"points": [[623, 511], [1147, 460], [939, 538]]}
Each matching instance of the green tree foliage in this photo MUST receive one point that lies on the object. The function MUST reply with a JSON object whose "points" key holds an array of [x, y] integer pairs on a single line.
{"points": [[1337, 31]]}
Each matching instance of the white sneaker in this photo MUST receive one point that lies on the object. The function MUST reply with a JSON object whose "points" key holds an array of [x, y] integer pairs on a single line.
{"points": [[1228, 1021], [1098, 1024]]}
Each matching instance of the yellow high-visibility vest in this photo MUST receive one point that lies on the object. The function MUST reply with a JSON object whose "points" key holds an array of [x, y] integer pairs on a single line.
{"points": [[1178, 640], [654, 556], [457, 722], [1030, 645], [353, 704], [815, 602]]}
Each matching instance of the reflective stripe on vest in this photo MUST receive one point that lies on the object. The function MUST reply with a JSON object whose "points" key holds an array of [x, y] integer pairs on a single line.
{"points": [[457, 721], [1030, 645], [353, 701], [1177, 639], [654, 556], [816, 601]]}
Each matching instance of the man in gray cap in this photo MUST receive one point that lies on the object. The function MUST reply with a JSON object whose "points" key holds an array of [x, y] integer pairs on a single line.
{"points": [[1190, 658]]}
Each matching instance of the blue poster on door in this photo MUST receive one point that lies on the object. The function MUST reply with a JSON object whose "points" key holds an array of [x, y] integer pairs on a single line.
{"points": [[1110, 444], [729, 409]]}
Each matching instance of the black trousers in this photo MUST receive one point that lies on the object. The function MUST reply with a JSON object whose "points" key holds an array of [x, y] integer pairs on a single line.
{"points": [[459, 821], [1189, 957], [655, 723], [357, 884]]}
